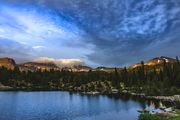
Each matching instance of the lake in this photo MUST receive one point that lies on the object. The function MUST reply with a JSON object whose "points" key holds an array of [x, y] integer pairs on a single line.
{"points": [[67, 106]]}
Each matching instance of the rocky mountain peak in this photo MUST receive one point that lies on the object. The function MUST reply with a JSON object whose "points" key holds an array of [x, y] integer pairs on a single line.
{"points": [[155, 61], [8, 63]]}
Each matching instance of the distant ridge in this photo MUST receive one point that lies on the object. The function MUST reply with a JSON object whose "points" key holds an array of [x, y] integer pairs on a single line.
{"points": [[34, 66], [9, 63], [155, 61]]}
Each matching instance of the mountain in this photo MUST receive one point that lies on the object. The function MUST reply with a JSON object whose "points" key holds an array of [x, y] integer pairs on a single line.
{"points": [[34, 66], [81, 68], [78, 68], [107, 69], [7, 63], [155, 61]]}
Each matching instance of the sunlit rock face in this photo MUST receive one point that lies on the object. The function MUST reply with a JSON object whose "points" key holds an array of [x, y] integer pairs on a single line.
{"points": [[107, 69], [155, 61], [7, 63], [33, 66], [160, 60]]}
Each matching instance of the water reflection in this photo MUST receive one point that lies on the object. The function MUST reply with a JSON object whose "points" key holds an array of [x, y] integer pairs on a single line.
{"points": [[69, 106]]}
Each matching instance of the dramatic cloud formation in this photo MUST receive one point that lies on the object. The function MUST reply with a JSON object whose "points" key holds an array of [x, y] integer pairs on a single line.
{"points": [[60, 62], [15, 50], [107, 32]]}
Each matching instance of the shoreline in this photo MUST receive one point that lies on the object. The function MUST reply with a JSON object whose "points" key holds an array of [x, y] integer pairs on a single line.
{"points": [[171, 99]]}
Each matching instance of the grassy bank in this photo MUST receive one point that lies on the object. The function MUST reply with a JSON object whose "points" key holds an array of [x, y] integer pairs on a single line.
{"points": [[147, 116]]}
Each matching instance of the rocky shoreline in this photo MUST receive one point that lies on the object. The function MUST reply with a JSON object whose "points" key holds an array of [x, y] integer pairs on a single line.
{"points": [[2, 87], [173, 98]]}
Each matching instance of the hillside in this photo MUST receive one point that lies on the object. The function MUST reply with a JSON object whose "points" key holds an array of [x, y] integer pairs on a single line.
{"points": [[7, 63], [34, 66], [155, 61]]}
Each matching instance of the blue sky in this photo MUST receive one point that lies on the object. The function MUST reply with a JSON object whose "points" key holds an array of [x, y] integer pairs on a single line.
{"points": [[93, 32]]}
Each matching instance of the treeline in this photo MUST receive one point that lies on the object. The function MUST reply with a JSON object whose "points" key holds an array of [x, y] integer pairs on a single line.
{"points": [[51, 79], [162, 79]]}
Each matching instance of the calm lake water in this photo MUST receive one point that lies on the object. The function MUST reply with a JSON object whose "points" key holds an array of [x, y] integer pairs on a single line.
{"points": [[66, 106]]}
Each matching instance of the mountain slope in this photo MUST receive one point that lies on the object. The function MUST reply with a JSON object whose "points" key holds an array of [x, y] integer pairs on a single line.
{"points": [[34, 66], [155, 61], [7, 63]]}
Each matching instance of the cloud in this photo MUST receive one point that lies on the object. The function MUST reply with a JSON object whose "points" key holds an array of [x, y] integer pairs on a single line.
{"points": [[111, 32], [38, 47], [9, 48], [29, 25], [60, 62], [41, 30]]}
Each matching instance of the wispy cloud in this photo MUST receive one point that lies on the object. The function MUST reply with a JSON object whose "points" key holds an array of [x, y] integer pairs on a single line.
{"points": [[9, 48], [38, 47], [36, 28], [108, 32], [27, 25]]}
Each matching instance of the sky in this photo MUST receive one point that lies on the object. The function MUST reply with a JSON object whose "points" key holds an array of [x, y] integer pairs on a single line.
{"points": [[91, 32]]}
